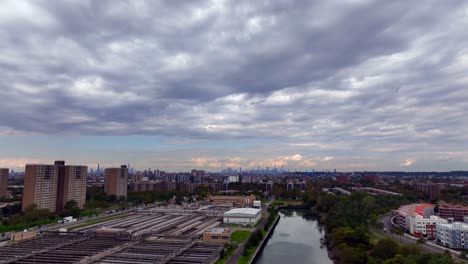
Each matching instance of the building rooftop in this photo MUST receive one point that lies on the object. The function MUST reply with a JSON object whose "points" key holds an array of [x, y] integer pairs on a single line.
{"points": [[219, 230], [415, 209], [242, 211]]}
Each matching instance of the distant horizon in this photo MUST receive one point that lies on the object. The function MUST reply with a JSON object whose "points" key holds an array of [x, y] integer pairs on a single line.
{"points": [[236, 170], [351, 85]]}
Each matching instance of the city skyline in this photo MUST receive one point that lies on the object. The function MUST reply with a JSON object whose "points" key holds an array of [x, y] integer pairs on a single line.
{"points": [[346, 85]]}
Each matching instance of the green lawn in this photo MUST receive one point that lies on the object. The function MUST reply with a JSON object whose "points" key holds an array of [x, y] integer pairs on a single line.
{"points": [[245, 259], [96, 221], [240, 236]]}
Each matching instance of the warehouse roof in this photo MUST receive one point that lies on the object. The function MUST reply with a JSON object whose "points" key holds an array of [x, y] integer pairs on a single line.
{"points": [[252, 212]]}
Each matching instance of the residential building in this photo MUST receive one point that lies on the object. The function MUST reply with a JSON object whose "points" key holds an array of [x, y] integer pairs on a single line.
{"points": [[419, 219], [52, 186], [197, 176], [234, 178], [455, 212], [372, 178], [452, 235], [342, 178], [432, 190], [116, 180], [4, 181], [72, 186], [242, 216], [269, 186], [425, 226], [40, 186]]}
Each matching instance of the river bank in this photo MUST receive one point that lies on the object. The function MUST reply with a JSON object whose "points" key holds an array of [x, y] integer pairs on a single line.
{"points": [[259, 250]]}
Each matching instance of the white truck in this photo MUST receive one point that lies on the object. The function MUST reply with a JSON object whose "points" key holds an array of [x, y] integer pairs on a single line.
{"points": [[257, 204]]}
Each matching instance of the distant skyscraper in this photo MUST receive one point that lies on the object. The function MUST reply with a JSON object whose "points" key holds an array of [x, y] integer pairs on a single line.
{"points": [[52, 186], [4, 181], [115, 181]]}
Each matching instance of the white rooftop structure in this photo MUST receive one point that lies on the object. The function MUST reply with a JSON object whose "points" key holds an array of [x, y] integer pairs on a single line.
{"points": [[243, 216], [242, 212]]}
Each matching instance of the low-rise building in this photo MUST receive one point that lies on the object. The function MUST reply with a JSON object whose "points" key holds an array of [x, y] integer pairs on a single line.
{"points": [[419, 219], [219, 235], [425, 226], [453, 235], [235, 201], [26, 235], [375, 191], [242, 216], [456, 212]]}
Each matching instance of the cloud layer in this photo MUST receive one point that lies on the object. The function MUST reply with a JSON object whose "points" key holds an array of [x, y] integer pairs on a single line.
{"points": [[370, 83]]}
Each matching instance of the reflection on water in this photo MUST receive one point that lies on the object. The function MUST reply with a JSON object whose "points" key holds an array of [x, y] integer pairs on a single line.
{"points": [[296, 239]]}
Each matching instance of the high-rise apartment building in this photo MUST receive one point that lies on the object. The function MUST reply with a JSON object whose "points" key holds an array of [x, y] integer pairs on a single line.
{"points": [[52, 186], [72, 186], [4, 181], [115, 181]]}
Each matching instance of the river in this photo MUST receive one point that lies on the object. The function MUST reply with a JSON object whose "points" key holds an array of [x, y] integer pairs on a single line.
{"points": [[296, 239]]}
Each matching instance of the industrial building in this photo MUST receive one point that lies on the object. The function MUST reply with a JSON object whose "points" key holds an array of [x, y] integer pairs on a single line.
{"points": [[151, 235], [242, 216], [52, 186], [218, 235]]}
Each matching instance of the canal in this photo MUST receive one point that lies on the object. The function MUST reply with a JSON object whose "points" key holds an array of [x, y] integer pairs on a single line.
{"points": [[296, 239]]}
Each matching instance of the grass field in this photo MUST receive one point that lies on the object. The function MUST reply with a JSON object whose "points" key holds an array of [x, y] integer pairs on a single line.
{"points": [[240, 236]]}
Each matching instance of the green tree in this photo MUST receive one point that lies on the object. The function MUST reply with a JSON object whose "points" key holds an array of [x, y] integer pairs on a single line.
{"points": [[464, 254], [71, 209], [385, 249], [421, 240]]}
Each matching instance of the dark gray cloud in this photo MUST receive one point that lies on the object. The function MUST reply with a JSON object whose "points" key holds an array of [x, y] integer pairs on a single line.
{"points": [[382, 77]]}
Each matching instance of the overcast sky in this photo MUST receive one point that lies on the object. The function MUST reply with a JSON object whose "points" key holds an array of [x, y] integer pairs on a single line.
{"points": [[175, 85]]}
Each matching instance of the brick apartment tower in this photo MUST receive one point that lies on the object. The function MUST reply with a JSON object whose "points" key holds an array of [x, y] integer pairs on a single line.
{"points": [[52, 186], [4, 181], [115, 181]]}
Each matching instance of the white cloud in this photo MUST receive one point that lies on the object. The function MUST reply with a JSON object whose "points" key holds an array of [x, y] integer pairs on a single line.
{"points": [[325, 159], [408, 163]]}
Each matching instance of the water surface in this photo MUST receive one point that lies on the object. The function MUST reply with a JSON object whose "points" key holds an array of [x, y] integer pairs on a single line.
{"points": [[296, 239]]}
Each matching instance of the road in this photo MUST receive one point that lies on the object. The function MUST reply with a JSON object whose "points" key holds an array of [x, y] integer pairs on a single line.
{"points": [[405, 238]]}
